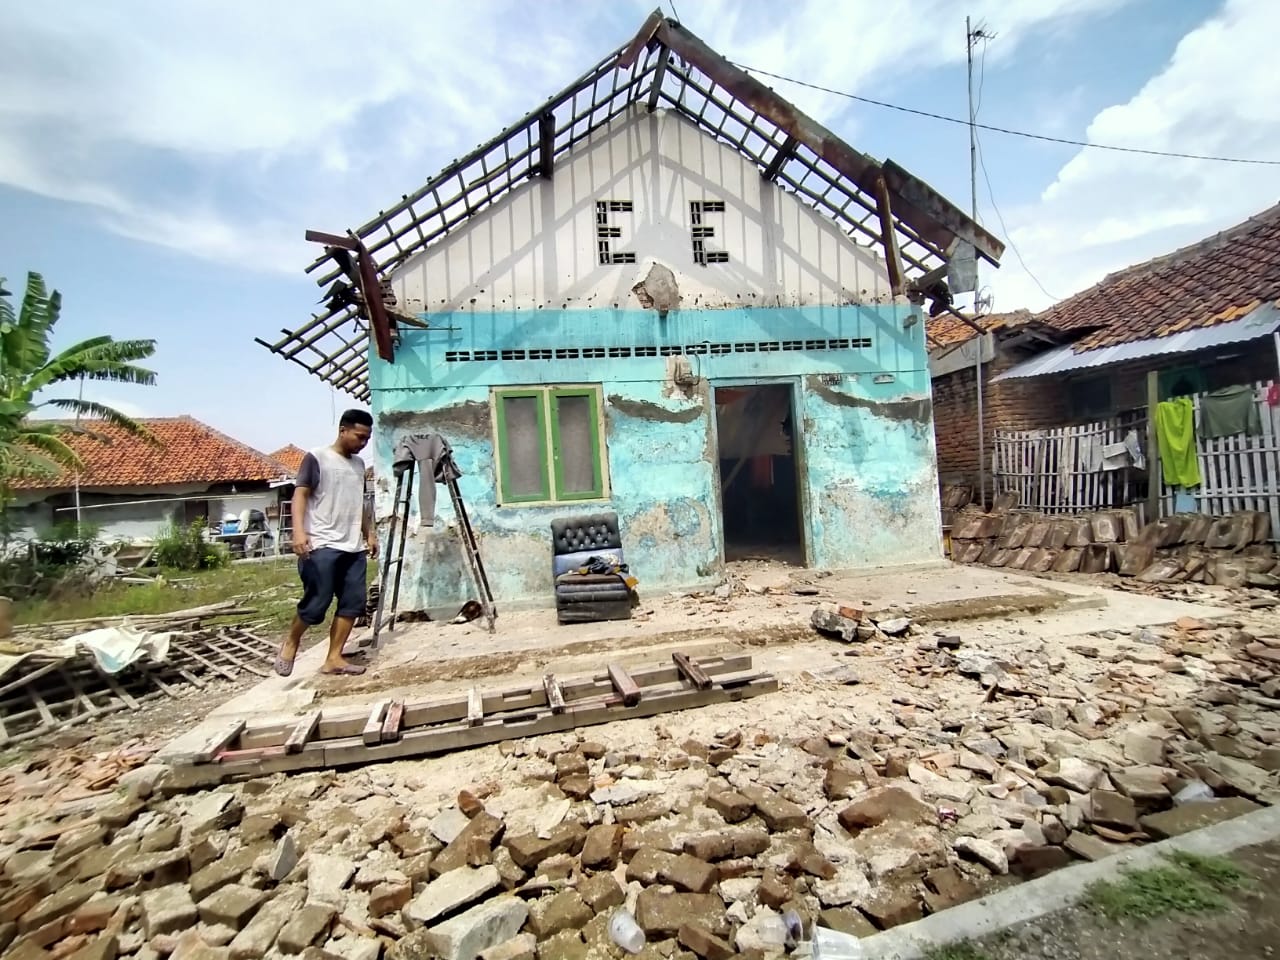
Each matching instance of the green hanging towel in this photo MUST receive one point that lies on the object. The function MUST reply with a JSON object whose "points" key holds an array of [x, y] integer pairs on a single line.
{"points": [[1176, 435]]}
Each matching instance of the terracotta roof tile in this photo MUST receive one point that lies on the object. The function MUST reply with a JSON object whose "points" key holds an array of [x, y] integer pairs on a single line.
{"points": [[290, 456], [1218, 279], [946, 330], [187, 451]]}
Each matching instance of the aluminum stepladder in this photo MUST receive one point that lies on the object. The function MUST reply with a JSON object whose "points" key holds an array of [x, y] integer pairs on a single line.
{"points": [[397, 537]]}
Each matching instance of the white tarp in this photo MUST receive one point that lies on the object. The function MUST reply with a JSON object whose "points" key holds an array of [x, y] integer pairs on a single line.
{"points": [[114, 648]]}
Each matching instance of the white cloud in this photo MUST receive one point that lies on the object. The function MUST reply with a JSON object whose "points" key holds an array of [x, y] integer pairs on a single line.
{"points": [[223, 128], [1216, 96], [846, 45], [278, 118]]}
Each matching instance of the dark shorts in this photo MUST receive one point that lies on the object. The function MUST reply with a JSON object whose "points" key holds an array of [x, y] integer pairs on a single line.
{"points": [[327, 573]]}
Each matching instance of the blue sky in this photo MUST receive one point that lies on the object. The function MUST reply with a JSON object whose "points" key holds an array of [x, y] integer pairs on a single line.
{"points": [[159, 162]]}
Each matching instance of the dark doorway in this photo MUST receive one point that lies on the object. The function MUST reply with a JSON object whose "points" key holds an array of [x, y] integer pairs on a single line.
{"points": [[759, 489]]}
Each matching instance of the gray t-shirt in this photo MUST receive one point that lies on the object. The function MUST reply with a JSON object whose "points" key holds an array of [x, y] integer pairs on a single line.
{"points": [[336, 505]]}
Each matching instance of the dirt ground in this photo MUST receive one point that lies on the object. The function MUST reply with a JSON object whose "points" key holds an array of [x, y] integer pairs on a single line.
{"points": [[1249, 929]]}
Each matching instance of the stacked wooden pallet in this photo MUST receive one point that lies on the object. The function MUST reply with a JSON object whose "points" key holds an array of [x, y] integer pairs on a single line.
{"points": [[1231, 551], [390, 729]]}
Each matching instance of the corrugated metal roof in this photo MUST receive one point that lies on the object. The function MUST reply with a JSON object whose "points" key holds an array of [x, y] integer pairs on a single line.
{"points": [[1260, 322]]}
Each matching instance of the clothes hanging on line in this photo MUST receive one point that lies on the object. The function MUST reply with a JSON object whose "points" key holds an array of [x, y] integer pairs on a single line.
{"points": [[1228, 412], [1176, 436]]}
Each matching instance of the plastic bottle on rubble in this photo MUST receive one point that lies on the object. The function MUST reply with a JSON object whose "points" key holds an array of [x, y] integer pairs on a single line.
{"points": [[834, 945], [625, 932]]}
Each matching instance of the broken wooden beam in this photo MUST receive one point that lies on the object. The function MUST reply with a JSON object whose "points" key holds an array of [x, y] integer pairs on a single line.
{"points": [[692, 672], [302, 732], [218, 742], [372, 733], [622, 682], [555, 696], [393, 722]]}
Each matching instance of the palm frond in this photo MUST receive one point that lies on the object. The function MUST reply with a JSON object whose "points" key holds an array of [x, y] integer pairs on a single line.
{"points": [[100, 411], [39, 313], [99, 359], [38, 451]]}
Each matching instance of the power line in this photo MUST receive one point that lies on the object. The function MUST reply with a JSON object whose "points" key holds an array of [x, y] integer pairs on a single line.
{"points": [[1006, 130], [1008, 236], [674, 12]]}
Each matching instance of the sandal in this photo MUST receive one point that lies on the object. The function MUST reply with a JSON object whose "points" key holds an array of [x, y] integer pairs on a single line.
{"points": [[346, 670], [283, 667]]}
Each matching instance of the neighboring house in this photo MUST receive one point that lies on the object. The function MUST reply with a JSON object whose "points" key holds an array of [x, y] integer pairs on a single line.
{"points": [[1193, 321], [132, 488], [291, 457], [688, 308]]}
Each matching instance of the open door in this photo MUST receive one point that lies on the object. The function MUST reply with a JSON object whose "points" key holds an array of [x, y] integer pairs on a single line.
{"points": [[759, 482]]}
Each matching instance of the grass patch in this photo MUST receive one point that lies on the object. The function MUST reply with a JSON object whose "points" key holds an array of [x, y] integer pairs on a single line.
{"points": [[963, 950], [272, 587], [1189, 883]]}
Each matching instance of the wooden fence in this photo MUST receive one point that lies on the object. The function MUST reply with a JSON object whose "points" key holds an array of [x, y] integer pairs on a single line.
{"points": [[1053, 471], [1050, 470], [1239, 472]]}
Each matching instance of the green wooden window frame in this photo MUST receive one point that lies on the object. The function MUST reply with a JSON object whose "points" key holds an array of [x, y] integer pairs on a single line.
{"points": [[504, 445], [552, 488]]}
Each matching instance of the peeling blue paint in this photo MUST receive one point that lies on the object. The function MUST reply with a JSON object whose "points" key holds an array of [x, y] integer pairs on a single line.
{"points": [[865, 438]]}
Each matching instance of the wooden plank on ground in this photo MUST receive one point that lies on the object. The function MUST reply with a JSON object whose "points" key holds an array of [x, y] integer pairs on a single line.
{"points": [[225, 736], [624, 684], [475, 708], [46, 715], [459, 735], [114, 686], [203, 660], [394, 721], [302, 732], [373, 726], [692, 672], [555, 697], [349, 721]]}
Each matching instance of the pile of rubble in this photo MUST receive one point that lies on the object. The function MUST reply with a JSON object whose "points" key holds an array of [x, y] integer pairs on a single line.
{"points": [[1230, 551], [966, 769]]}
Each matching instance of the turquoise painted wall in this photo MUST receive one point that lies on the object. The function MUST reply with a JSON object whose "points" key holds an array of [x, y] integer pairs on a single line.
{"points": [[869, 483]]}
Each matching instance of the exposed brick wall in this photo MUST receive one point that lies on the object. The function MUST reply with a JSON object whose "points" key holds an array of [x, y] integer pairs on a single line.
{"points": [[1009, 405]]}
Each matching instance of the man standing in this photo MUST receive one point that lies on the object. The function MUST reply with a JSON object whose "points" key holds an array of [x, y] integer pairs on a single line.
{"points": [[331, 533]]}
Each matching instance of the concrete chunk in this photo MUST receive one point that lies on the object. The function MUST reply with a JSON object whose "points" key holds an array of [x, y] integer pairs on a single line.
{"points": [[481, 928], [168, 909], [305, 927], [231, 905], [779, 814], [602, 846], [257, 938], [564, 911], [451, 891]]}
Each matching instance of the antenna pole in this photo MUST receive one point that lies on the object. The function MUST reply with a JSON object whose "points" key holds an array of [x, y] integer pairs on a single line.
{"points": [[970, 37]]}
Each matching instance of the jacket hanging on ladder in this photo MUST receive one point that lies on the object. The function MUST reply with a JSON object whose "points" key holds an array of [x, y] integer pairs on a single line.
{"points": [[435, 458]]}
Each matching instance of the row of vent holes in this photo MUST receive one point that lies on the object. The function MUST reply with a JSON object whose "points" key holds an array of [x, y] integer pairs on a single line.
{"points": [[600, 353]]}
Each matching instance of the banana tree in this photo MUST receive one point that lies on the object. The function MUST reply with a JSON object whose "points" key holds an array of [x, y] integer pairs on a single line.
{"points": [[29, 366]]}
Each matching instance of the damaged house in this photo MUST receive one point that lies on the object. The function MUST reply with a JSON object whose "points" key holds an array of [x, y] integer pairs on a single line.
{"points": [[1065, 388], [665, 293]]}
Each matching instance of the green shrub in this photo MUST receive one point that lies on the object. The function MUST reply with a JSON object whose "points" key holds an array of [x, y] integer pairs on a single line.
{"points": [[185, 548], [61, 560]]}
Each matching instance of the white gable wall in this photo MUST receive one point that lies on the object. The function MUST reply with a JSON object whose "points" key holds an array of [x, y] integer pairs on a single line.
{"points": [[537, 247]]}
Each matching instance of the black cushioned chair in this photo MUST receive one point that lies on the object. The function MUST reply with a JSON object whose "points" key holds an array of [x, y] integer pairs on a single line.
{"points": [[584, 597]]}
